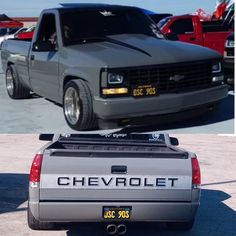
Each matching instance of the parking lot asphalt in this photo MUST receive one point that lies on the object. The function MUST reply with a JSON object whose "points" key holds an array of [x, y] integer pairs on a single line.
{"points": [[216, 215], [37, 115]]}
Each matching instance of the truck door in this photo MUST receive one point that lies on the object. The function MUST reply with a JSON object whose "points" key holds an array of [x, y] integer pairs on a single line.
{"points": [[44, 58], [184, 28]]}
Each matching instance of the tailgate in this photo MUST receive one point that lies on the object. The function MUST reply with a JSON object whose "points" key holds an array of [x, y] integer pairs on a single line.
{"points": [[116, 173]]}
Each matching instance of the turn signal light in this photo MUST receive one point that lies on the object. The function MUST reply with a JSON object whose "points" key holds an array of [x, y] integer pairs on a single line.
{"points": [[36, 169], [113, 91], [196, 173]]}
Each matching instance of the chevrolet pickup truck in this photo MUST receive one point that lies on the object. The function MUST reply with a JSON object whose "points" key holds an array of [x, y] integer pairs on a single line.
{"points": [[189, 28], [115, 69], [113, 179]]}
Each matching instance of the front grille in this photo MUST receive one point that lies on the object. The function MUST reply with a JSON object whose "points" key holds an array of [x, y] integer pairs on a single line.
{"points": [[173, 77]]}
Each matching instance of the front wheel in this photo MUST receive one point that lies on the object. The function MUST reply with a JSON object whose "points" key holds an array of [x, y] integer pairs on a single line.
{"points": [[78, 105]]}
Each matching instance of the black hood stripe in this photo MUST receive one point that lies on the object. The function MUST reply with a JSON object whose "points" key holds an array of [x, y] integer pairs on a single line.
{"points": [[110, 40]]}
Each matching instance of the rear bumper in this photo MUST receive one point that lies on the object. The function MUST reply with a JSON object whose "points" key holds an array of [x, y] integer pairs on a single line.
{"points": [[123, 108], [92, 211]]}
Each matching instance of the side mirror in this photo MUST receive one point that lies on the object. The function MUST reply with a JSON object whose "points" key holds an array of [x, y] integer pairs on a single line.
{"points": [[46, 137], [43, 46], [172, 36], [174, 141]]}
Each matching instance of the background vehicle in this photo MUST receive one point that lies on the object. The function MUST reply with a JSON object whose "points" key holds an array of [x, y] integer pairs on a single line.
{"points": [[113, 179], [10, 36], [189, 28], [8, 26], [229, 59], [111, 74], [28, 34], [156, 17]]}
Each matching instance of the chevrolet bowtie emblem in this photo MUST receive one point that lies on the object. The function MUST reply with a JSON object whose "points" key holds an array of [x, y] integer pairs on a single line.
{"points": [[176, 78]]}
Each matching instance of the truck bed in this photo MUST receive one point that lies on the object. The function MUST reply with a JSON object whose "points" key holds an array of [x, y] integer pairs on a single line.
{"points": [[137, 166], [16, 51], [115, 149]]}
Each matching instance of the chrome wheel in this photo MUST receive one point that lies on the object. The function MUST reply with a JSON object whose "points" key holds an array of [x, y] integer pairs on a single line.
{"points": [[72, 105], [10, 82]]}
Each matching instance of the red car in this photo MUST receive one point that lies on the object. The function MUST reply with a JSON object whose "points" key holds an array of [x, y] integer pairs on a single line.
{"points": [[189, 28], [28, 34]]}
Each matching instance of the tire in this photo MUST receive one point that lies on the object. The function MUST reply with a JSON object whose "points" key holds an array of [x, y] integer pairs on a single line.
{"points": [[37, 225], [15, 88], [78, 106], [188, 225]]}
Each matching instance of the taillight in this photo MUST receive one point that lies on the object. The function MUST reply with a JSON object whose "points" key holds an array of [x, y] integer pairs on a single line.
{"points": [[36, 168], [196, 173]]}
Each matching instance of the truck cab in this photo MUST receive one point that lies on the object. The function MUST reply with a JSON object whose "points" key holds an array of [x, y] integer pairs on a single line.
{"points": [[189, 29]]}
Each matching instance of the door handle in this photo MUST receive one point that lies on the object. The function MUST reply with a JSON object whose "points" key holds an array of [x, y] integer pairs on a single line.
{"points": [[192, 39], [32, 57], [119, 169]]}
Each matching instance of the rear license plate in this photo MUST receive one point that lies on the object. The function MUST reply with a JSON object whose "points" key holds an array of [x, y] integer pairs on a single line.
{"points": [[117, 213], [144, 91]]}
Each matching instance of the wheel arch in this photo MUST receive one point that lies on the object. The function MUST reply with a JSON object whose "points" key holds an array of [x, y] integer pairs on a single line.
{"points": [[68, 78]]}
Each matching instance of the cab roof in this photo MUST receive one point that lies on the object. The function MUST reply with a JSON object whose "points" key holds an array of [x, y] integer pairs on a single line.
{"points": [[99, 6]]}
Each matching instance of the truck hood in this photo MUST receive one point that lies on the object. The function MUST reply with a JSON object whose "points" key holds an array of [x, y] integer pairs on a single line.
{"points": [[134, 50]]}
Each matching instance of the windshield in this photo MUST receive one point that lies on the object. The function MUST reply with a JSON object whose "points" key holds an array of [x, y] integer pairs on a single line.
{"points": [[91, 24], [3, 31], [163, 22], [118, 137], [7, 31], [13, 30]]}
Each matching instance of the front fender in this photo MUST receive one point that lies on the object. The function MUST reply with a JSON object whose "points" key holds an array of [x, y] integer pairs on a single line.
{"points": [[89, 74]]}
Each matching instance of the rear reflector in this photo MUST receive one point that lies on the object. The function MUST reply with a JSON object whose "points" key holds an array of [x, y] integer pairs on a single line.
{"points": [[196, 173], [36, 168]]}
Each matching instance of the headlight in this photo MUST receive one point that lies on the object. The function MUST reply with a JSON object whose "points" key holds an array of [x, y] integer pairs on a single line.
{"points": [[115, 78], [230, 43], [216, 67]]}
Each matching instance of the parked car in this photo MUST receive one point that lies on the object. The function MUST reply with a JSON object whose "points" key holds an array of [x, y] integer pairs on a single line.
{"points": [[156, 17], [189, 28], [229, 59], [8, 26], [110, 73], [28, 34], [113, 179], [11, 35]]}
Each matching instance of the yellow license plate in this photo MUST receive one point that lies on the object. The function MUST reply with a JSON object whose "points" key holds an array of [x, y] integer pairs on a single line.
{"points": [[117, 213], [144, 91]]}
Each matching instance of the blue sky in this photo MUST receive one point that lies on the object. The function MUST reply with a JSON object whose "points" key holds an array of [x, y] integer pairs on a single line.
{"points": [[34, 7]]}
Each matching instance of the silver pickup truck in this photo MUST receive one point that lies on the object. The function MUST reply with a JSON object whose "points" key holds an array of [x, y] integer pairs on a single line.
{"points": [[113, 179], [110, 64]]}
